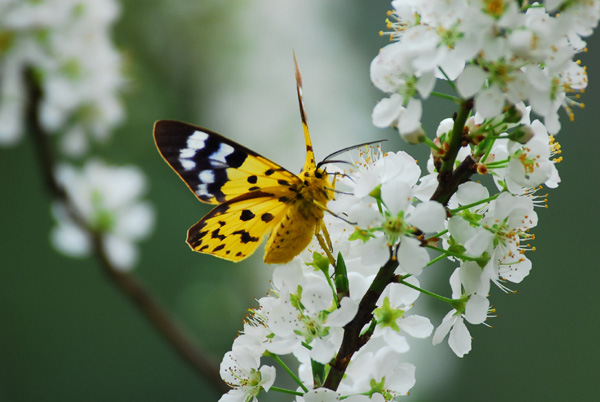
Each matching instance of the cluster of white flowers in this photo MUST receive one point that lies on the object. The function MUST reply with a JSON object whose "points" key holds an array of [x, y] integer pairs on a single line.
{"points": [[107, 199], [504, 62], [67, 46], [492, 51], [304, 315], [64, 48]]}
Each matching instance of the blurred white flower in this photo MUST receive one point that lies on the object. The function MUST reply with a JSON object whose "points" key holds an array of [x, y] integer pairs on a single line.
{"points": [[108, 200], [78, 68]]}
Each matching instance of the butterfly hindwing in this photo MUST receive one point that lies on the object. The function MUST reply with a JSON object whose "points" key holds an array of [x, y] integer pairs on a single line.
{"points": [[215, 168], [234, 229]]}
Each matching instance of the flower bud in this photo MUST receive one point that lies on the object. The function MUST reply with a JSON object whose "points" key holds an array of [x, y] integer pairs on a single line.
{"points": [[522, 134], [414, 137]]}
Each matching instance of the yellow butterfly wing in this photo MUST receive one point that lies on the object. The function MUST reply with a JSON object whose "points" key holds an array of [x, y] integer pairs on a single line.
{"points": [[234, 229]]}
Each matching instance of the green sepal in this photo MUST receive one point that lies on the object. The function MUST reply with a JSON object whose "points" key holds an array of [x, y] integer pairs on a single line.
{"points": [[295, 299], [319, 263], [454, 247], [387, 316], [376, 192], [361, 234]]}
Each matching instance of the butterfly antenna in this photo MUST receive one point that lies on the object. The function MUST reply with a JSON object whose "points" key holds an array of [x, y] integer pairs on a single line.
{"points": [[309, 162], [338, 191], [324, 162], [349, 148]]}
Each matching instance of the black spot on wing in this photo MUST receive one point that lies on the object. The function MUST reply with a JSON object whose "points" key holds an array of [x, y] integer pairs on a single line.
{"points": [[269, 172], [267, 217], [245, 236], [253, 188], [284, 199], [252, 179], [219, 247], [236, 159], [216, 235], [247, 215], [283, 182]]}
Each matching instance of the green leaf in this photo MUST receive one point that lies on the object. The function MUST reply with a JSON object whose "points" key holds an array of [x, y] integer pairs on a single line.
{"points": [[342, 285]]}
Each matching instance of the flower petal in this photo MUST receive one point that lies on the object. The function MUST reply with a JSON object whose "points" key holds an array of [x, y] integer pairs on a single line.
{"points": [[460, 338], [428, 216], [411, 256]]}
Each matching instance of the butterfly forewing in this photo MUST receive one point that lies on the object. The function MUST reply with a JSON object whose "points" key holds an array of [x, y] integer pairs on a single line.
{"points": [[234, 229], [215, 168]]}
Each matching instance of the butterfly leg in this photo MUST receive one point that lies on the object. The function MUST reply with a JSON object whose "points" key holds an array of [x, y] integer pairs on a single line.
{"points": [[324, 240], [326, 235]]}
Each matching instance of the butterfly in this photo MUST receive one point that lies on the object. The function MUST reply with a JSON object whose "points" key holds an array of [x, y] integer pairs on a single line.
{"points": [[255, 196]]}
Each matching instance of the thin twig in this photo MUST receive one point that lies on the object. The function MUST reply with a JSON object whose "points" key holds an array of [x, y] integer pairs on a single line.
{"points": [[173, 331]]}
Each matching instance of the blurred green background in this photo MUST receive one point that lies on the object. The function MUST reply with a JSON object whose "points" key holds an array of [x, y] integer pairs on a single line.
{"points": [[66, 333]]}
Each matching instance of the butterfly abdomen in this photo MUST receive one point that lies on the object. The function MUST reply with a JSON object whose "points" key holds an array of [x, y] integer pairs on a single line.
{"points": [[289, 237]]}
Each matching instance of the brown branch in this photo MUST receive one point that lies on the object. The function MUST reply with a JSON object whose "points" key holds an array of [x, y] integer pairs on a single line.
{"points": [[449, 178], [158, 316], [448, 182], [353, 340]]}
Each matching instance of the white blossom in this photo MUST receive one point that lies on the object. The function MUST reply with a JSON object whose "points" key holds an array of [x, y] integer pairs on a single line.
{"points": [[107, 199], [475, 312], [242, 371]]}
